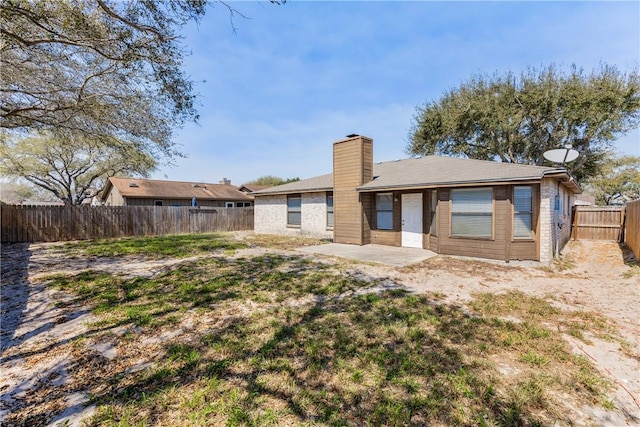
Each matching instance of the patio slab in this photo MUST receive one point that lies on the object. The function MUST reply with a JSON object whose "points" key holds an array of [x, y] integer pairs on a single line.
{"points": [[387, 255]]}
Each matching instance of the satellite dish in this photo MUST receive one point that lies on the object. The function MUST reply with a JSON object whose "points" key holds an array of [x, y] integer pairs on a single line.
{"points": [[561, 155]]}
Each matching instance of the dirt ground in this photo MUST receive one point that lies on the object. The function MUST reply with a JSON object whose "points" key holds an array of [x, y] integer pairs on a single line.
{"points": [[38, 323]]}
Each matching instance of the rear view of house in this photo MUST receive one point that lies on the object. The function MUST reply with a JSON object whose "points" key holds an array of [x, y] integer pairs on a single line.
{"points": [[149, 192], [449, 205]]}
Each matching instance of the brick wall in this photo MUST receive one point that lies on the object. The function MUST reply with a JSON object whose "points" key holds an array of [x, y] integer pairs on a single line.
{"points": [[549, 228], [270, 216]]}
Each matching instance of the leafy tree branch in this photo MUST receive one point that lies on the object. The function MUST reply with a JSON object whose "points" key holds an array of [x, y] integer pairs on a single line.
{"points": [[515, 118]]}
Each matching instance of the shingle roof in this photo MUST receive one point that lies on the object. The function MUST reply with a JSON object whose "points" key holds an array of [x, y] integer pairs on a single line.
{"points": [[149, 188], [317, 183], [429, 171], [251, 188]]}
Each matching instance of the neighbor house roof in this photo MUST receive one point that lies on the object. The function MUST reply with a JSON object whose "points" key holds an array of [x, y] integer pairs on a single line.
{"points": [[250, 188], [432, 171], [159, 189], [317, 183]]}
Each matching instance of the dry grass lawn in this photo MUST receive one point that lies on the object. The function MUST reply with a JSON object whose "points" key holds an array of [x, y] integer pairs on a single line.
{"points": [[243, 330]]}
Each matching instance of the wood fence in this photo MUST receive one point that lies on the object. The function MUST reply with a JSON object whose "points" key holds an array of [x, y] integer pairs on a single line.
{"points": [[632, 234], [61, 223], [598, 223]]}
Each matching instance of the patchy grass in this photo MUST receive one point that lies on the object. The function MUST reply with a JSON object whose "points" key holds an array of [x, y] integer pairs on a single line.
{"points": [[633, 271], [284, 340], [464, 267], [515, 304], [205, 284], [564, 263], [281, 340], [275, 241], [388, 359], [176, 246]]}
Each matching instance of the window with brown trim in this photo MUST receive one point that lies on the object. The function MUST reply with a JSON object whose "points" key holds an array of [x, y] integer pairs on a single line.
{"points": [[523, 212], [433, 228], [384, 211], [472, 212]]}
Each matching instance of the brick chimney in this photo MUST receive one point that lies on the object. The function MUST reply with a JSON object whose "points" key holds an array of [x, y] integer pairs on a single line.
{"points": [[225, 181], [352, 167]]}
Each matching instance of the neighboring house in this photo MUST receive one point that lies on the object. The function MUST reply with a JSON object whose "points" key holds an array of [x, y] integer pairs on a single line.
{"points": [[585, 200], [149, 192], [449, 205], [250, 188]]}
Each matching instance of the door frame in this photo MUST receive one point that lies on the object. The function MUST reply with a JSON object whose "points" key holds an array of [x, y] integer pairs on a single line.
{"points": [[409, 236]]}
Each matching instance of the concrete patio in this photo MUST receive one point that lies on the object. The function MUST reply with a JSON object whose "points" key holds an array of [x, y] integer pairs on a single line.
{"points": [[388, 255]]}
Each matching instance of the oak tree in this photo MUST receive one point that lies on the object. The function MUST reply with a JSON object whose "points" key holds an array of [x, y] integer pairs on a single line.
{"points": [[271, 180], [516, 118], [106, 68], [87, 82], [617, 182], [70, 165]]}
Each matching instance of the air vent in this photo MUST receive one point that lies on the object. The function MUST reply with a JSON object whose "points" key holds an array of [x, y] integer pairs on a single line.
{"points": [[133, 185]]}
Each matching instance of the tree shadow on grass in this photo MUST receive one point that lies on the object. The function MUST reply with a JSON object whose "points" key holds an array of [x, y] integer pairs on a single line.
{"points": [[352, 361], [14, 262], [387, 358]]}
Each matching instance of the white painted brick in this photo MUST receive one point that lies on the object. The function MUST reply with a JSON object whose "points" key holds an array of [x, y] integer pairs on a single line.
{"points": [[270, 216], [548, 225]]}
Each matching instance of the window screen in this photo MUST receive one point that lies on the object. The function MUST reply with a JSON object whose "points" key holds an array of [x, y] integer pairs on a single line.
{"points": [[472, 212], [329, 209], [294, 210], [522, 212], [384, 211], [434, 207]]}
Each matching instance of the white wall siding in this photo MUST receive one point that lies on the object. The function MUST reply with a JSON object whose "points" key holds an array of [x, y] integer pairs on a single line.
{"points": [[549, 229], [270, 216]]}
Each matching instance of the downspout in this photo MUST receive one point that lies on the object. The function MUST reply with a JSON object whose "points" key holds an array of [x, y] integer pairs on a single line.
{"points": [[556, 219]]}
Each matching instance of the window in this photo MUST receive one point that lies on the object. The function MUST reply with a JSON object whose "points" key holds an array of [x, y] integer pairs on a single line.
{"points": [[329, 209], [433, 229], [294, 210], [384, 211], [157, 203], [228, 204], [523, 212], [472, 212]]}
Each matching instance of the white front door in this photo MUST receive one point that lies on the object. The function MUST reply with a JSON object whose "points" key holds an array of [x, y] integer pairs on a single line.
{"points": [[412, 220]]}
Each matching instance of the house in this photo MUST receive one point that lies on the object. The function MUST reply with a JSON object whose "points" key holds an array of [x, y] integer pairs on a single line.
{"points": [[149, 192], [451, 206], [585, 199], [250, 188]]}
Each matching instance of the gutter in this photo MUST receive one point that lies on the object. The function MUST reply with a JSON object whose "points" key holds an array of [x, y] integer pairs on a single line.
{"points": [[305, 190], [368, 189], [565, 178]]}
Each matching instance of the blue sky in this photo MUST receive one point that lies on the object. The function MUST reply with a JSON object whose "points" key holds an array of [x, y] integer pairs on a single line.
{"points": [[294, 78]]}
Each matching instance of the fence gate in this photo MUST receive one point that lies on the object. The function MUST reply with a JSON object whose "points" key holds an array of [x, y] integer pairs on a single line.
{"points": [[598, 223]]}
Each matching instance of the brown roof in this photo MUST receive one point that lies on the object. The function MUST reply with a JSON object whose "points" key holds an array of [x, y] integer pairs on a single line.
{"points": [[435, 171], [429, 171], [317, 183], [251, 188], [158, 189]]}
